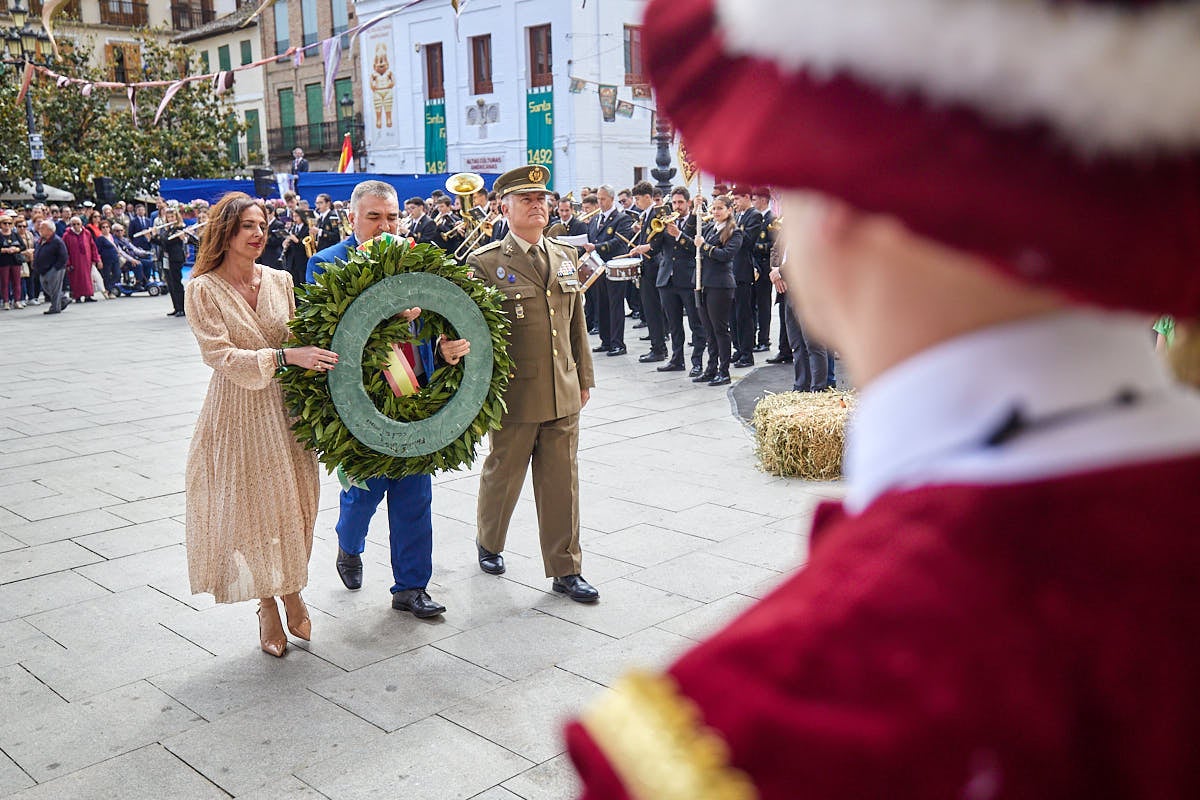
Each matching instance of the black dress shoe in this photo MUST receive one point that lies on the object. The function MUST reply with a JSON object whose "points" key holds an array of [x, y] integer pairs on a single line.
{"points": [[780, 359], [647, 358], [418, 602], [761, 348], [704, 377], [170, 313], [349, 567], [489, 562], [639, 325], [744, 362], [619, 350], [89, 299], [576, 588], [694, 372], [593, 331], [635, 315], [645, 338], [671, 368], [720, 380], [180, 314], [600, 348]]}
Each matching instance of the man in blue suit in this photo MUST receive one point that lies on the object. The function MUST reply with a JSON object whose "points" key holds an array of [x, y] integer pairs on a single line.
{"points": [[375, 209]]}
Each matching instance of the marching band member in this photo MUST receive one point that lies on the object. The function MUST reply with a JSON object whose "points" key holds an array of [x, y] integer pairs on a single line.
{"points": [[421, 227], [651, 306], [719, 245], [745, 273], [609, 233], [449, 225], [676, 282], [761, 197]]}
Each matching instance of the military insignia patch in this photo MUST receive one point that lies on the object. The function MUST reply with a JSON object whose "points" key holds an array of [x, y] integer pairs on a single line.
{"points": [[520, 311], [500, 273], [536, 175], [609, 231]]}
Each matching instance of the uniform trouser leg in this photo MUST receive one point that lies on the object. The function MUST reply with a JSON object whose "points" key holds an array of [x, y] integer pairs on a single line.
{"points": [[602, 287], [634, 295], [652, 310], [710, 341], [802, 380], [781, 301], [672, 306], [695, 325], [410, 528], [591, 306], [617, 291], [175, 285], [552, 447], [742, 319], [719, 303], [762, 307], [556, 493]]}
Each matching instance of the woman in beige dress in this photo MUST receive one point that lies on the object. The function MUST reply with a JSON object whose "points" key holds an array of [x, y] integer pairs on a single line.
{"points": [[251, 487]]}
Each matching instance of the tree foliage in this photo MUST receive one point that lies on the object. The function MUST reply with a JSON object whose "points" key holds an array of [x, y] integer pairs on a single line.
{"points": [[91, 135]]}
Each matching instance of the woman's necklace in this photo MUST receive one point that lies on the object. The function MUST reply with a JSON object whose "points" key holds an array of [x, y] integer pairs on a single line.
{"points": [[251, 286]]}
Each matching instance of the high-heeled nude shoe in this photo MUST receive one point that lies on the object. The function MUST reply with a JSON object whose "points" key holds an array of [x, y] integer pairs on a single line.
{"points": [[270, 629], [301, 629]]}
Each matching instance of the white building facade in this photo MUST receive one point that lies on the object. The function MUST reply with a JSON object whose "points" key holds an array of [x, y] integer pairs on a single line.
{"points": [[223, 43], [497, 93]]}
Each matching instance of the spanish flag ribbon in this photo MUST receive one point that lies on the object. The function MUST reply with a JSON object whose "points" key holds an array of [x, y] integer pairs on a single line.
{"points": [[399, 371]]}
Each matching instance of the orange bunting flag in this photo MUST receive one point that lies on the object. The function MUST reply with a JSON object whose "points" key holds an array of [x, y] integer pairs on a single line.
{"points": [[346, 160], [399, 372]]}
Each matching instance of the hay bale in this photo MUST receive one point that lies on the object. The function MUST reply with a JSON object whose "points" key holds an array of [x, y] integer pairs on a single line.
{"points": [[802, 434]]}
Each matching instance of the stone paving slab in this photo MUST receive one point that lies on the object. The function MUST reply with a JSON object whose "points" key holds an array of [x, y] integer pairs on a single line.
{"points": [[115, 681]]}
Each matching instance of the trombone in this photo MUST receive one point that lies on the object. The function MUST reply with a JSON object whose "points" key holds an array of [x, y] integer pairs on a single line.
{"points": [[478, 235]]}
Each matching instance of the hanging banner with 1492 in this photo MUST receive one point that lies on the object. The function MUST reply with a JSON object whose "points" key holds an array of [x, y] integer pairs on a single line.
{"points": [[539, 104]]}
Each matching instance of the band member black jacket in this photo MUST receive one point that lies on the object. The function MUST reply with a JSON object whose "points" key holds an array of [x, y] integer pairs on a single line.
{"points": [[606, 235], [717, 260], [764, 242], [750, 224], [677, 257], [425, 231]]}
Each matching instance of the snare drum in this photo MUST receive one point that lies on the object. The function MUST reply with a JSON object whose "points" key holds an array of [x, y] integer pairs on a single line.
{"points": [[623, 269]]}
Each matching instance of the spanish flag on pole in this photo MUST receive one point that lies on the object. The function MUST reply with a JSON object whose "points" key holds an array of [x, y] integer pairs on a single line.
{"points": [[346, 160]]}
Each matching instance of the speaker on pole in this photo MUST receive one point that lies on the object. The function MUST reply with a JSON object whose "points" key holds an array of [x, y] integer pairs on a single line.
{"points": [[104, 190], [264, 182]]}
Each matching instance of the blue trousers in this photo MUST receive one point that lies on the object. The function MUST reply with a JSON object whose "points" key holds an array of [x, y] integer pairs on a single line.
{"points": [[410, 523]]}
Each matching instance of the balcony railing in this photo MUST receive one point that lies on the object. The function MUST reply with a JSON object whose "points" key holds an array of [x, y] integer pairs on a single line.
{"points": [[189, 17], [315, 139], [126, 13], [71, 9]]}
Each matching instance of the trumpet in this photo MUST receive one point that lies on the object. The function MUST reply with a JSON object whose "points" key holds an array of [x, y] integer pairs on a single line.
{"points": [[344, 220], [659, 224], [478, 235], [589, 215], [310, 245], [776, 224]]}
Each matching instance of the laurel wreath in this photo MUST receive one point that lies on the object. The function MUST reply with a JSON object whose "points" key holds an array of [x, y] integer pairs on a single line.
{"points": [[319, 309]]}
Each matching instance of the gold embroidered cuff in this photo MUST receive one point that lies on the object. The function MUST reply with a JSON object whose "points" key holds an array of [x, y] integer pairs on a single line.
{"points": [[656, 742]]}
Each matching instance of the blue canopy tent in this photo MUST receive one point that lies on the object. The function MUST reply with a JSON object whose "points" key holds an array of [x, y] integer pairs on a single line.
{"points": [[338, 185]]}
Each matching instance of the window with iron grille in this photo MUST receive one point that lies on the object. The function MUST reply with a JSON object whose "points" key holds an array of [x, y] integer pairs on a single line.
{"points": [[481, 64], [541, 67]]}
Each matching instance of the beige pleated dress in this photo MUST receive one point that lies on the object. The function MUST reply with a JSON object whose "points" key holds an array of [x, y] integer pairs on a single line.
{"points": [[252, 489]]}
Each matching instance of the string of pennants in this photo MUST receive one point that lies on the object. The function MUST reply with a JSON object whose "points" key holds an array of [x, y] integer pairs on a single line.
{"points": [[220, 81], [610, 105]]}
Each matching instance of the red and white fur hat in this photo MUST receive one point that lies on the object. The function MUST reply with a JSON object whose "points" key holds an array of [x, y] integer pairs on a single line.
{"points": [[1057, 140]]}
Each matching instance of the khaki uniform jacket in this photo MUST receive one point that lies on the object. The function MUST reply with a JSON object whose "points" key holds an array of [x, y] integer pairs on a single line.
{"points": [[548, 341]]}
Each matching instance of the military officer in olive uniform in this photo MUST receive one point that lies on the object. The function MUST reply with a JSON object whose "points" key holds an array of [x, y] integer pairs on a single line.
{"points": [[551, 382]]}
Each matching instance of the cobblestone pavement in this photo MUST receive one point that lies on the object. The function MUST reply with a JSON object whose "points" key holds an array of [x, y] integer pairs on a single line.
{"points": [[116, 682]]}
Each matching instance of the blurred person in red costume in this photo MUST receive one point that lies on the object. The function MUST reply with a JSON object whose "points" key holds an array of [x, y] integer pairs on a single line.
{"points": [[987, 203]]}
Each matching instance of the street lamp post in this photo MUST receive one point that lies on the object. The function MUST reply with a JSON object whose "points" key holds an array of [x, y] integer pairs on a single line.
{"points": [[662, 138], [21, 43]]}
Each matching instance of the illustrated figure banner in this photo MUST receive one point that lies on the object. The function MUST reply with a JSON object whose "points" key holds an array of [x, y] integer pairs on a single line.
{"points": [[381, 79]]}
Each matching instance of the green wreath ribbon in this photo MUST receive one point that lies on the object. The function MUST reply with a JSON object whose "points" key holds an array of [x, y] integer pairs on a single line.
{"points": [[383, 435]]}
